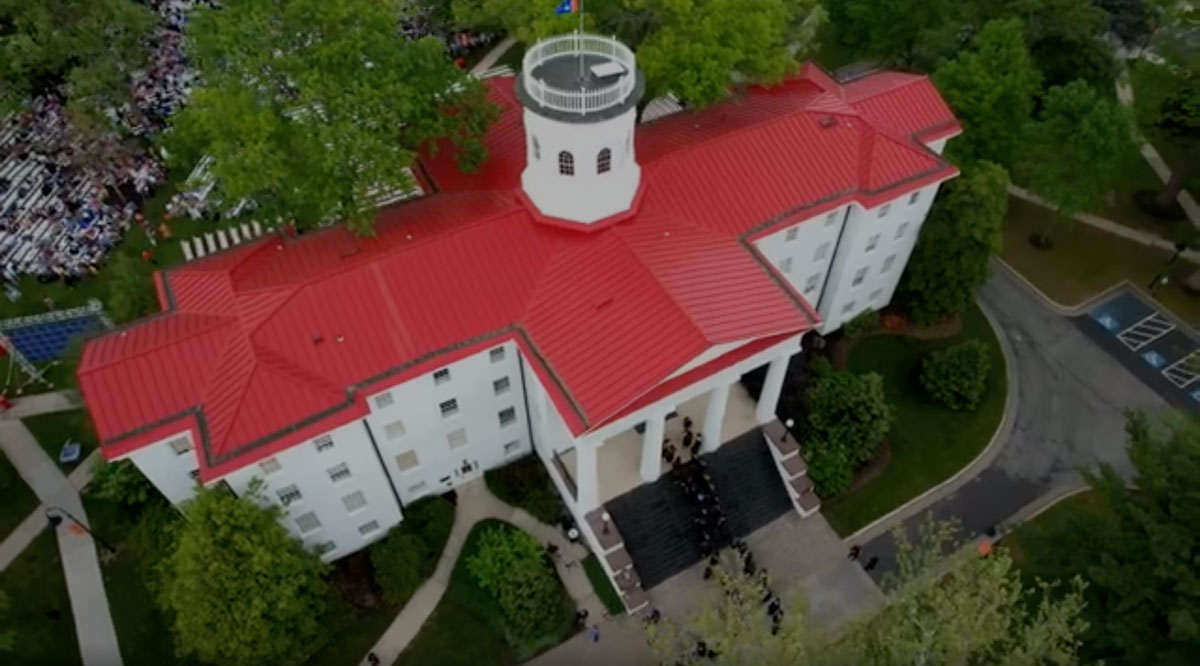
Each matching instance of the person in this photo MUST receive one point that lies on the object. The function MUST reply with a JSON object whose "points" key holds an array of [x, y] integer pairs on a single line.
{"points": [[372, 659], [581, 617], [855, 551], [594, 633], [655, 615], [552, 550]]}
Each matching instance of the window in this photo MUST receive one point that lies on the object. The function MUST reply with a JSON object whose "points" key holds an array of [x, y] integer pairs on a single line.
{"points": [[912, 198], [457, 438], [449, 408], [417, 488], [394, 430], [901, 229], [883, 210], [831, 219], [308, 522], [811, 284], [604, 160], [508, 415], [180, 445], [367, 528], [875, 295], [848, 307], [822, 250], [354, 501], [407, 461], [512, 447], [858, 277], [500, 386], [270, 466], [441, 376], [887, 263], [383, 400], [566, 163], [288, 494], [326, 547], [195, 474], [339, 472], [323, 443], [791, 234], [537, 149], [872, 242], [496, 355], [786, 265]]}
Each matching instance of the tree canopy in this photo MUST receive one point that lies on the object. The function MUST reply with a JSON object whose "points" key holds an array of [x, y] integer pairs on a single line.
{"points": [[902, 32], [240, 590], [962, 232], [89, 45], [1064, 37], [130, 289], [847, 418], [313, 107]]}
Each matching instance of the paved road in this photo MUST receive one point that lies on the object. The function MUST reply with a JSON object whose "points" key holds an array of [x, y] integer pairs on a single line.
{"points": [[1069, 416]]}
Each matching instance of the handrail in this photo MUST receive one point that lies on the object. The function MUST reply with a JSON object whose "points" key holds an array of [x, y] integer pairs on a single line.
{"points": [[579, 101]]}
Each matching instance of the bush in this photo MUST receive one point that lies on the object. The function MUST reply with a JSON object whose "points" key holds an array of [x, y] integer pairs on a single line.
{"points": [[121, 482], [847, 419], [511, 565], [957, 376], [862, 324], [409, 553], [602, 585], [524, 483]]}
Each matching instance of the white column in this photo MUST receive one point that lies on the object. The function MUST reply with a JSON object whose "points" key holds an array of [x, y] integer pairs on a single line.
{"points": [[772, 387], [714, 416], [585, 477], [652, 445]]}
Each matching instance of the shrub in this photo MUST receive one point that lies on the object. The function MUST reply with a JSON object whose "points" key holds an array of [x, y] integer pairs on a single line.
{"points": [[410, 552], [510, 565], [524, 483], [862, 324], [957, 376], [121, 482], [847, 420]]}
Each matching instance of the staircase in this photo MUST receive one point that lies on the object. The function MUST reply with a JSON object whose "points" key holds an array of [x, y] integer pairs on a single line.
{"points": [[792, 469]]}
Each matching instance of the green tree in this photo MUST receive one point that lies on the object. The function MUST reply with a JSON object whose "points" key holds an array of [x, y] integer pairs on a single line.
{"points": [[310, 106], [1075, 150], [89, 45], [902, 32], [511, 566], [991, 89], [1145, 582], [130, 289], [239, 589], [120, 481], [957, 375], [1064, 37], [410, 552], [848, 419], [963, 231]]}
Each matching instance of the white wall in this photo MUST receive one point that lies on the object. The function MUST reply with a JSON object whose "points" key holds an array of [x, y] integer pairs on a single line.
{"points": [[307, 468], [804, 251], [415, 404], [170, 472]]}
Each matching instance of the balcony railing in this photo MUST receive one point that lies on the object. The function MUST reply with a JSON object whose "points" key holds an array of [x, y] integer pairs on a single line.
{"points": [[583, 100]]}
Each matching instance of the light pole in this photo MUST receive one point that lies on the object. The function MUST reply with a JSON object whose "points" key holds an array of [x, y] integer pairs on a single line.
{"points": [[55, 520], [787, 427]]}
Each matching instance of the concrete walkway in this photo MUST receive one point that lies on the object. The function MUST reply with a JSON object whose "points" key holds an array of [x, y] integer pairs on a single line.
{"points": [[41, 403], [85, 584], [492, 56], [476, 503], [19, 539]]}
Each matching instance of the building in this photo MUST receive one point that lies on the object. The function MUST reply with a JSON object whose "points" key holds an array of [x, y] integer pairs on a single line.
{"points": [[593, 278]]}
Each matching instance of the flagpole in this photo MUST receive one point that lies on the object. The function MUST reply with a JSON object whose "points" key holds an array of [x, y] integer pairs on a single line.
{"points": [[581, 38]]}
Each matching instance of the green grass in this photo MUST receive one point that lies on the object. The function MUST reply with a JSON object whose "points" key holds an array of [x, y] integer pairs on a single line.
{"points": [[1048, 546], [356, 633], [35, 588], [52, 429], [524, 483], [466, 628], [1085, 261], [929, 443], [602, 585], [1151, 85], [16, 498]]}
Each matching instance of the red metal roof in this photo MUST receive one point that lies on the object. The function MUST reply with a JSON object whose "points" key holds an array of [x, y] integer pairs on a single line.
{"points": [[278, 340]]}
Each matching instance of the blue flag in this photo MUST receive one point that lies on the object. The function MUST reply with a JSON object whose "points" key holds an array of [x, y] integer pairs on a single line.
{"points": [[567, 7]]}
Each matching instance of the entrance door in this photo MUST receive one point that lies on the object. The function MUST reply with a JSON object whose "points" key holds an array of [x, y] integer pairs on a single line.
{"points": [[467, 470]]}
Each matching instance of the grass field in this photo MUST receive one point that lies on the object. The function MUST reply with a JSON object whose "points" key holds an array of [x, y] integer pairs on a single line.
{"points": [[52, 429], [929, 443], [39, 611], [16, 497]]}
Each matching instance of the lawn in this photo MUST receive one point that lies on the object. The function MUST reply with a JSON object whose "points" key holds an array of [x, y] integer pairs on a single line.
{"points": [[52, 429], [467, 610], [1085, 261], [39, 611], [929, 443], [512, 57], [602, 585], [524, 483], [16, 497]]}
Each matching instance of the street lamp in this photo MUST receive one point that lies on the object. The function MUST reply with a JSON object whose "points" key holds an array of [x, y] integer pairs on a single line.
{"points": [[55, 520], [787, 427]]}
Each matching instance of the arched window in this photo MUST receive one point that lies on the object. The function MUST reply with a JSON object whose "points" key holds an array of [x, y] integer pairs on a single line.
{"points": [[604, 160], [566, 163], [537, 150]]}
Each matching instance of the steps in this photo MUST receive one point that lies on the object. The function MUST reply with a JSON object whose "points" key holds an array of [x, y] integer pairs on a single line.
{"points": [[791, 467]]}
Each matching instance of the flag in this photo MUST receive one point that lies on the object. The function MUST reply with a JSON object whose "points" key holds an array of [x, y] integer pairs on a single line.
{"points": [[567, 7]]}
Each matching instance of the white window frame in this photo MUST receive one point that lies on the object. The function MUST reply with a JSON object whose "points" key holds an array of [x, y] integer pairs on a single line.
{"points": [[356, 495], [914, 197], [502, 412], [339, 472], [448, 408], [314, 517], [900, 230], [323, 443], [384, 400], [270, 465], [441, 376], [368, 528], [457, 438], [390, 429], [872, 243], [888, 263], [822, 251], [180, 445], [848, 307], [859, 276], [496, 354], [831, 218], [883, 210], [812, 283], [287, 492], [791, 234], [406, 469], [501, 385], [786, 265], [512, 447]]}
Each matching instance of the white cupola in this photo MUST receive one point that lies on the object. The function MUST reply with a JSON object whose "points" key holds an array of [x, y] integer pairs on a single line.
{"points": [[580, 94]]}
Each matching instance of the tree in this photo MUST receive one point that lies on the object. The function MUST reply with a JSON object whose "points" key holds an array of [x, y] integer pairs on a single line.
{"points": [[130, 289], [240, 590], [1129, 20], [1075, 150], [955, 608], [91, 46], [310, 106], [695, 49], [897, 31], [511, 565], [120, 481], [957, 375], [410, 552], [991, 89], [1064, 38], [1145, 584], [964, 229], [848, 419]]}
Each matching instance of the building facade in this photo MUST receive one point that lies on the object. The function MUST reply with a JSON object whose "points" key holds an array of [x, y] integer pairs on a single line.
{"points": [[594, 278]]}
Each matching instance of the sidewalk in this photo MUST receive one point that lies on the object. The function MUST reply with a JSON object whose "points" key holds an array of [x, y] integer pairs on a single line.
{"points": [[476, 503], [85, 584], [19, 539], [492, 56], [41, 403]]}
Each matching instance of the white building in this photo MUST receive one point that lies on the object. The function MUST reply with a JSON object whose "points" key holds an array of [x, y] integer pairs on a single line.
{"points": [[592, 278]]}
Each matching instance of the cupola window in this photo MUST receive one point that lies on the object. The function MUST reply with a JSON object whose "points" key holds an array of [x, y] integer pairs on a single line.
{"points": [[604, 161], [566, 163]]}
